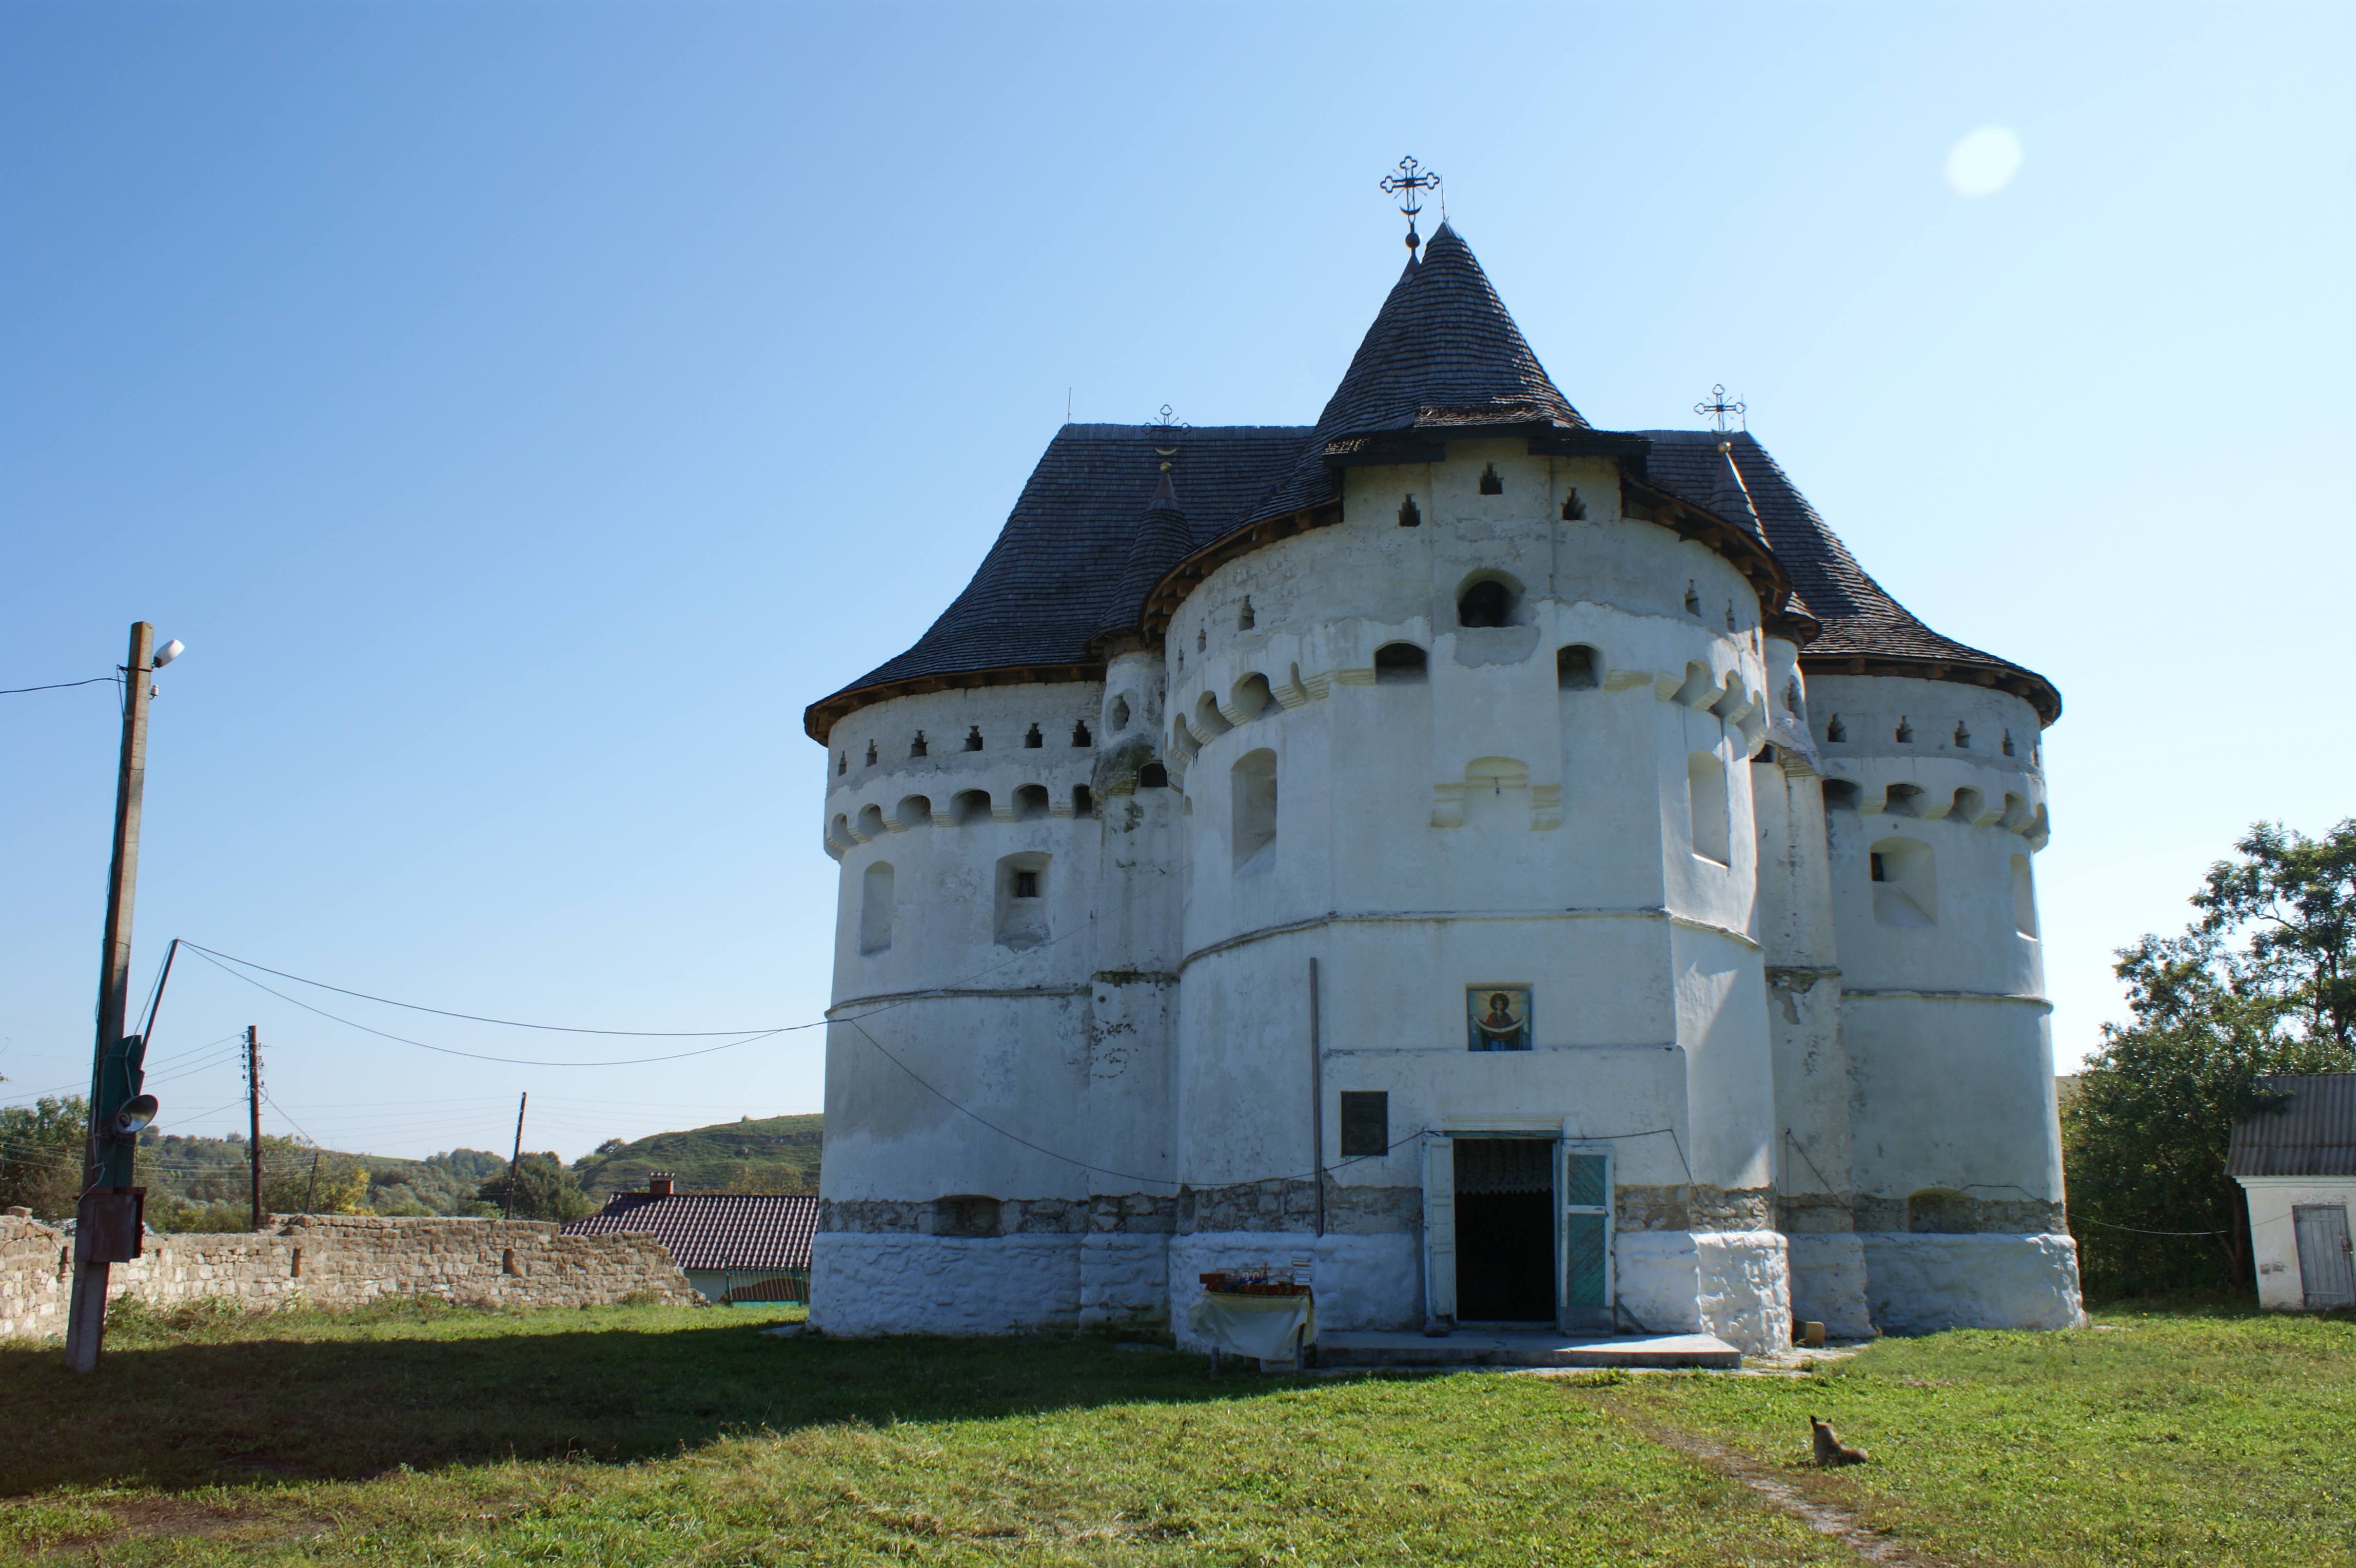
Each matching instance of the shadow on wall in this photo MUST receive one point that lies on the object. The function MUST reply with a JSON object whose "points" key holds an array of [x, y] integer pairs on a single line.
{"points": [[581, 1386]]}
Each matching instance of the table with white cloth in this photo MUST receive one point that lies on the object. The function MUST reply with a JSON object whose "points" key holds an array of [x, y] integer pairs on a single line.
{"points": [[1270, 1328]]}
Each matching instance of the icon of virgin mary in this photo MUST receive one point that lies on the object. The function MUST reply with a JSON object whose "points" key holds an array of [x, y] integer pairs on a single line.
{"points": [[1500, 1019]]}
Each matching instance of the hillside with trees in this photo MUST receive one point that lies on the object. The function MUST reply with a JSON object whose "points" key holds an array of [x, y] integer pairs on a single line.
{"points": [[203, 1184], [773, 1153]]}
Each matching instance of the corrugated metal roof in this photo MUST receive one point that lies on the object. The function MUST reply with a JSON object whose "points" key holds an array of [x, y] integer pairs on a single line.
{"points": [[707, 1231], [2311, 1133]]}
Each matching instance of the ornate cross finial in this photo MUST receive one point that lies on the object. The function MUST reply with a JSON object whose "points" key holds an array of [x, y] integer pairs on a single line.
{"points": [[1164, 427], [1718, 408], [1408, 187]]}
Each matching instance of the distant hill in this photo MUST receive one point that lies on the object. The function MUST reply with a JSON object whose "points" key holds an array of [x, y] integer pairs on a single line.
{"points": [[214, 1171], [771, 1153]]}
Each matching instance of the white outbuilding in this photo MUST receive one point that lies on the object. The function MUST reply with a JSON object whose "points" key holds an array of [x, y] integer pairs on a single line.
{"points": [[2296, 1163], [1519, 873]]}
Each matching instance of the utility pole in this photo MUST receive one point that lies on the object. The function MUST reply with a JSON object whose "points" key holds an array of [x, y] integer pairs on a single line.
{"points": [[253, 1117], [521, 1099], [311, 1193], [106, 1224]]}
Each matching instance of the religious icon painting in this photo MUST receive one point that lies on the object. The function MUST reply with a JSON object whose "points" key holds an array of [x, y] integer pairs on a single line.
{"points": [[1497, 1017]]}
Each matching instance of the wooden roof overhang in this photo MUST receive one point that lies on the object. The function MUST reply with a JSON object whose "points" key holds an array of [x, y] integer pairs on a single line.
{"points": [[821, 717], [2033, 689], [1779, 609]]}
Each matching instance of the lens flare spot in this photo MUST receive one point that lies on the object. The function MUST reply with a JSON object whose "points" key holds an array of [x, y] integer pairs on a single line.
{"points": [[1984, 162]]}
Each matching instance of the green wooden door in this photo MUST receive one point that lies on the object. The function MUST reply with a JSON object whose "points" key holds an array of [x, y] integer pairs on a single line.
{"points": [[1583, 1181]]}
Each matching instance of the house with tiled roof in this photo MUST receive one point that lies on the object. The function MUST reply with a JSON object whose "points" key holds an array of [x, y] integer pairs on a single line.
{"points": [[1529, 874], [731, 1246]]}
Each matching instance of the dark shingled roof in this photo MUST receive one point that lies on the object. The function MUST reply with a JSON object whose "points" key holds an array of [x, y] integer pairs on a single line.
{"points": [[707, 1231], [2311, 1133], [1443, 354], [1055, 577], [1098, 525], [1859, 619]]}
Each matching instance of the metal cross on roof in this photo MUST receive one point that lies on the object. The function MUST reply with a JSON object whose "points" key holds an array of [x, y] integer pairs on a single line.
{"points": [[1408, 187], [1165, 427], [1718, 408]]}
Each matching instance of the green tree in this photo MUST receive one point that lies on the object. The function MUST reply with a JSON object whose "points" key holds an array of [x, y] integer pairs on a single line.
{"points": [[41, 1155], [2262, 982], [545, 1188]]}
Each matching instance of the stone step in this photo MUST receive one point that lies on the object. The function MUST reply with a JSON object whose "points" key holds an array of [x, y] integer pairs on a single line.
{"points": [[1476, 1348]]}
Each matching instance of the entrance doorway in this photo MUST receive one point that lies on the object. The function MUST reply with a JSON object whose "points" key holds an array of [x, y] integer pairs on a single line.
{"points": [[1504, 1230]]}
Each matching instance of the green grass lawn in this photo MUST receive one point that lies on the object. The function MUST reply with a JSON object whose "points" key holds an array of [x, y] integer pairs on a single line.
{"points": [[2192, 1434], [424, 1434]]}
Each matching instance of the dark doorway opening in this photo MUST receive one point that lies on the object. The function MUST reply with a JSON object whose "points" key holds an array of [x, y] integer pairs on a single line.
{"points": [[1504, 1230]]}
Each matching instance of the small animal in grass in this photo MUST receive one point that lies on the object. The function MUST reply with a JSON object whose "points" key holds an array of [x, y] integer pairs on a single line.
{"points": [[1830, 1449]]}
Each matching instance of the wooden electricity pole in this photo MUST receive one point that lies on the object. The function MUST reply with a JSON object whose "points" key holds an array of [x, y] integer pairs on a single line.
{"points": [[86, 1315], [522, 1100], [253, 1117]]}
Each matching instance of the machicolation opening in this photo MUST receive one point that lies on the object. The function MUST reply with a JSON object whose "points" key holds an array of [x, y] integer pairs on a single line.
{"points": [[1486, 602], [1399, 661], [1575, 668]]}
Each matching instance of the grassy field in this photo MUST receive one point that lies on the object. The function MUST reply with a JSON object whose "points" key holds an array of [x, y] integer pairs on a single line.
{"points": [[2192, 1434], [643, 1435]]}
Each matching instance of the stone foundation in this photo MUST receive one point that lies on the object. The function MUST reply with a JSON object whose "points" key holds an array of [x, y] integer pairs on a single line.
{"points": [[1921, 1284], [341, 1261], [1828, 1283], [1735, 1284]]}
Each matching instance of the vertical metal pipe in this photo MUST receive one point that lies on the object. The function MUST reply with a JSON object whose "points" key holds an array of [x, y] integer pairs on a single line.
{"points": [[1316, 1100]]}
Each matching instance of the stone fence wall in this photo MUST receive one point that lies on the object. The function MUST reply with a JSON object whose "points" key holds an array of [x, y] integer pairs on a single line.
{"points": [[341, 1261]]}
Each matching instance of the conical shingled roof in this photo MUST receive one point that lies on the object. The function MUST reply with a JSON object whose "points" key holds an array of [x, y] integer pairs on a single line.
{"points": [[1443, 354], [1162, 540], [1860, 619]]}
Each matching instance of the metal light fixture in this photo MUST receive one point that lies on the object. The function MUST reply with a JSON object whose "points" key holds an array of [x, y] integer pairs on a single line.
{"points": [[137, 1114], [169, 651]]}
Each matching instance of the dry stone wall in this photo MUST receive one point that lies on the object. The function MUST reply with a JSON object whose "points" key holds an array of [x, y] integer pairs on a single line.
{"points": [[342, 1261]]}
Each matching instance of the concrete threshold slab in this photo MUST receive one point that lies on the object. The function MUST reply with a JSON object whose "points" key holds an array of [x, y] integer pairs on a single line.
{"points": [[1476, 1347]]}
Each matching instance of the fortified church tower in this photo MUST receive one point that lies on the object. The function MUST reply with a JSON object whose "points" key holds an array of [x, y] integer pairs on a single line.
{"points": [[1529, 871]]}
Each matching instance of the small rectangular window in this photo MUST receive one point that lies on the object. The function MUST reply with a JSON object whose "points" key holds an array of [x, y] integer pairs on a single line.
{"points": [[1366, 1122], [1026, 884], [1879, 873]]}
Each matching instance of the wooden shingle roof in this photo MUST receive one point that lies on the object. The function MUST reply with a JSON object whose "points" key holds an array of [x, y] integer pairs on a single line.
{"points": [[710, 1230], [1102, 543], [1860, 622]]}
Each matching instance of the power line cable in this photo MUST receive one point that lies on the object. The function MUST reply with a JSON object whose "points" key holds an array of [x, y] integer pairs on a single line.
{"points": [[56, 686]]}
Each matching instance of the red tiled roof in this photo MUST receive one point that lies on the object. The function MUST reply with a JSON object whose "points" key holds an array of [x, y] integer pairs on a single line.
{"points": [[707, 1231]]}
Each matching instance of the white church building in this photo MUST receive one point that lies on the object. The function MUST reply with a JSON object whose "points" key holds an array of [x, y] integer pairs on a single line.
{"points": [[1530, 872]]}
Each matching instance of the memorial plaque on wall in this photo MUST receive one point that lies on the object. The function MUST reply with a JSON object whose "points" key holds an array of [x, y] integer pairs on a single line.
{"points": [[1366, 1122]]}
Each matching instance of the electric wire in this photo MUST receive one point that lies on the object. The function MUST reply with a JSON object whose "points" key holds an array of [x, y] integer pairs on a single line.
{"points": [[57, 685]]}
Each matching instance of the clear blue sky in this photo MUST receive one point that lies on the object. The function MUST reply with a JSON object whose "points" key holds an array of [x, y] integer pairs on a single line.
{"points": [[522, 412]]}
